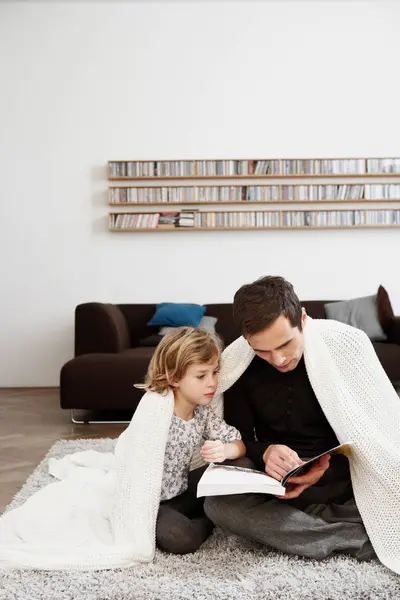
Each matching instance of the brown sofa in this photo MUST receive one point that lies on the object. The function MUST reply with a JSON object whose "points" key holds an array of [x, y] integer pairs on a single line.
{"points": [[113, 346]]}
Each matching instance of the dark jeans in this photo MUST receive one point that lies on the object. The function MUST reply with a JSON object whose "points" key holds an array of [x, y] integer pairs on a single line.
{"points": [[182, 525]]}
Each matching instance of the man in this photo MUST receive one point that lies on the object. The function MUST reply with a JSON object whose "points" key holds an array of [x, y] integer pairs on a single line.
{"points": [[274, 407]]}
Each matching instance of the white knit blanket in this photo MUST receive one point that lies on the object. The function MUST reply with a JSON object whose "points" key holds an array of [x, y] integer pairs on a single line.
{"points": [[101, 513]]}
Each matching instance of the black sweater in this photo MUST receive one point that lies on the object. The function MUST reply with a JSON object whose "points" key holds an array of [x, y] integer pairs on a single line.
{"points": [[269, 407]]}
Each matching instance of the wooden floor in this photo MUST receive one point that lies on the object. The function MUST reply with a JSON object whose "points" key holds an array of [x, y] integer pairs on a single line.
{"points": [[31, 420]]}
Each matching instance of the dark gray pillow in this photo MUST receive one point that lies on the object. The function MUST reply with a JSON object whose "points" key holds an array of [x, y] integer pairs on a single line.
{"points": [[361, 313]]}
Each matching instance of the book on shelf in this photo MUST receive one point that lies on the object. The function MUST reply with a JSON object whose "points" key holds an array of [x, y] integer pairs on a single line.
{"points": [[187, 218], [167, 220], [222, 480]]}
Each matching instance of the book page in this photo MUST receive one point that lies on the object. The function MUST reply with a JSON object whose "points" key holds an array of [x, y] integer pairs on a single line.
{"points": [[227, 474]]}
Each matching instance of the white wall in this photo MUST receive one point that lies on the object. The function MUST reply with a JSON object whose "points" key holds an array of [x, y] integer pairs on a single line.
{"points": [[84, 83]]}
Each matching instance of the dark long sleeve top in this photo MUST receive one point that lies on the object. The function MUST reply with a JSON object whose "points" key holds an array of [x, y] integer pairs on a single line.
{"points": [[269, 407]]}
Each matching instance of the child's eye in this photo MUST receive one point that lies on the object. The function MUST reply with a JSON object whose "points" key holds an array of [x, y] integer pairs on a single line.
{"points": [[200, 376]]}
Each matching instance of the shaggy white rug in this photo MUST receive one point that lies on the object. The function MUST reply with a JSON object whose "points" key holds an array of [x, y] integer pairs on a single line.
{"points": [[225, 567]]}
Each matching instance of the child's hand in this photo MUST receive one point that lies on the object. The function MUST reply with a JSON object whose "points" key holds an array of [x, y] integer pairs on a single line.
{"points": [[213, 451]]}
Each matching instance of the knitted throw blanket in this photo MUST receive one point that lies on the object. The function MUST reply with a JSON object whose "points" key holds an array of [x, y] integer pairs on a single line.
{"points": [[102, 512]]}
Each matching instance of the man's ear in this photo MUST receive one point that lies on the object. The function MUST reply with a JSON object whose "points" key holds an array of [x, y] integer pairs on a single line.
{"points": [[303, 315]]}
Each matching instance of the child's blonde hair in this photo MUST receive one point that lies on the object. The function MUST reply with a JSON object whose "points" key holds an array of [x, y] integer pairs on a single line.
{"points": [[178, 350]]}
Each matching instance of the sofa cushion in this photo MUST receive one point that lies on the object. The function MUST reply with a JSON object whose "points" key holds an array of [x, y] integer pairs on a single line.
{"points": [[389, 356], [105, 381], [151, 340], [177, 315], [385, 310], [206, 324], [361, 313], [143, 353], [315, 308]]}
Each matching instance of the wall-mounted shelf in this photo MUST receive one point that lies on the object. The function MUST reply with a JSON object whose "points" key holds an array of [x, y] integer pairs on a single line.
{"points": [[310, 193]]}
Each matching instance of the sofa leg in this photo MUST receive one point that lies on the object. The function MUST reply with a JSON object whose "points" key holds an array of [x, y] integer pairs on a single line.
{"points": [[75, 420], [86, 421]]}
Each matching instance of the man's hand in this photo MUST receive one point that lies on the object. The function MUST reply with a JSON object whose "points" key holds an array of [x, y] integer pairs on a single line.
{"points": [[300, 483], [279, 459], [213, 451]]}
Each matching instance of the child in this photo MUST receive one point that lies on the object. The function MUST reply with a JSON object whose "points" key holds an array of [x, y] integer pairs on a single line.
{"points": [[186, 362]]}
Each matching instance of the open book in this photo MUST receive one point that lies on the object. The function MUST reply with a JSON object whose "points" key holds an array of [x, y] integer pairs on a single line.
{"points": [[221, 480]]}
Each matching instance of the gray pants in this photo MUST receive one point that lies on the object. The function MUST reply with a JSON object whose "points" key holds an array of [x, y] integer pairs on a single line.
{"points": [[313, 531]]}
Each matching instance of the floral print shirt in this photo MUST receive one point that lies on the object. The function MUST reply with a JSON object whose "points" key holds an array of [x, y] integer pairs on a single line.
{"points": [[184, 438]]}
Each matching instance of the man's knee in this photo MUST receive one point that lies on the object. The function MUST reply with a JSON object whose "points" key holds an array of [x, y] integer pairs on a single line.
{"points": [[220, 508], [224, 510], [214, 509]]}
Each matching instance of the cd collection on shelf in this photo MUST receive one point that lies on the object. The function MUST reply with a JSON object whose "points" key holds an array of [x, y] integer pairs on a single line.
{"points": [[255, 219], [252, 167], [307, 192], [253, 193]]}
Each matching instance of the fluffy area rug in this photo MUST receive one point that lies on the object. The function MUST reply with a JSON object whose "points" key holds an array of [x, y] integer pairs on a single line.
{"points": [[225, 567]]}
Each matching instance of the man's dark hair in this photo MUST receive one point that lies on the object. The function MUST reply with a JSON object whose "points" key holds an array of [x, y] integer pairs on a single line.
{"points": [[257, 305]]}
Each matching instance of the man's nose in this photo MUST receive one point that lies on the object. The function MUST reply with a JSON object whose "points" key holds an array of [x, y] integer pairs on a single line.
{"points": [[278, 359]]}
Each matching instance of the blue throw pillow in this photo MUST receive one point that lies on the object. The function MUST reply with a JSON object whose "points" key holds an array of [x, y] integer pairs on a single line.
{"points": [[177, 315]]}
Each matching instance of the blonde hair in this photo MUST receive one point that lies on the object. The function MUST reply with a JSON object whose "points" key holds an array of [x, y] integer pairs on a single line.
{"points": [[178, 350]]}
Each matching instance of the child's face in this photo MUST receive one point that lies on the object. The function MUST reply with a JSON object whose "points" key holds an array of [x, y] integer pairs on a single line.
{"points": [[199, 383]]}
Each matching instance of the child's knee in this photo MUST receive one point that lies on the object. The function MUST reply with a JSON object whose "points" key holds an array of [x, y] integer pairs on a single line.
{"points": [[178, 534]]}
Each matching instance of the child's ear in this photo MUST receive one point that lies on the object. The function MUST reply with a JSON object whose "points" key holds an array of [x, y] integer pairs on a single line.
{"points": [[171, 382]]}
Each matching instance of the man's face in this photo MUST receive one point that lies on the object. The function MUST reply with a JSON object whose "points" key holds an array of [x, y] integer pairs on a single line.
{"points": [[281, 345]]}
